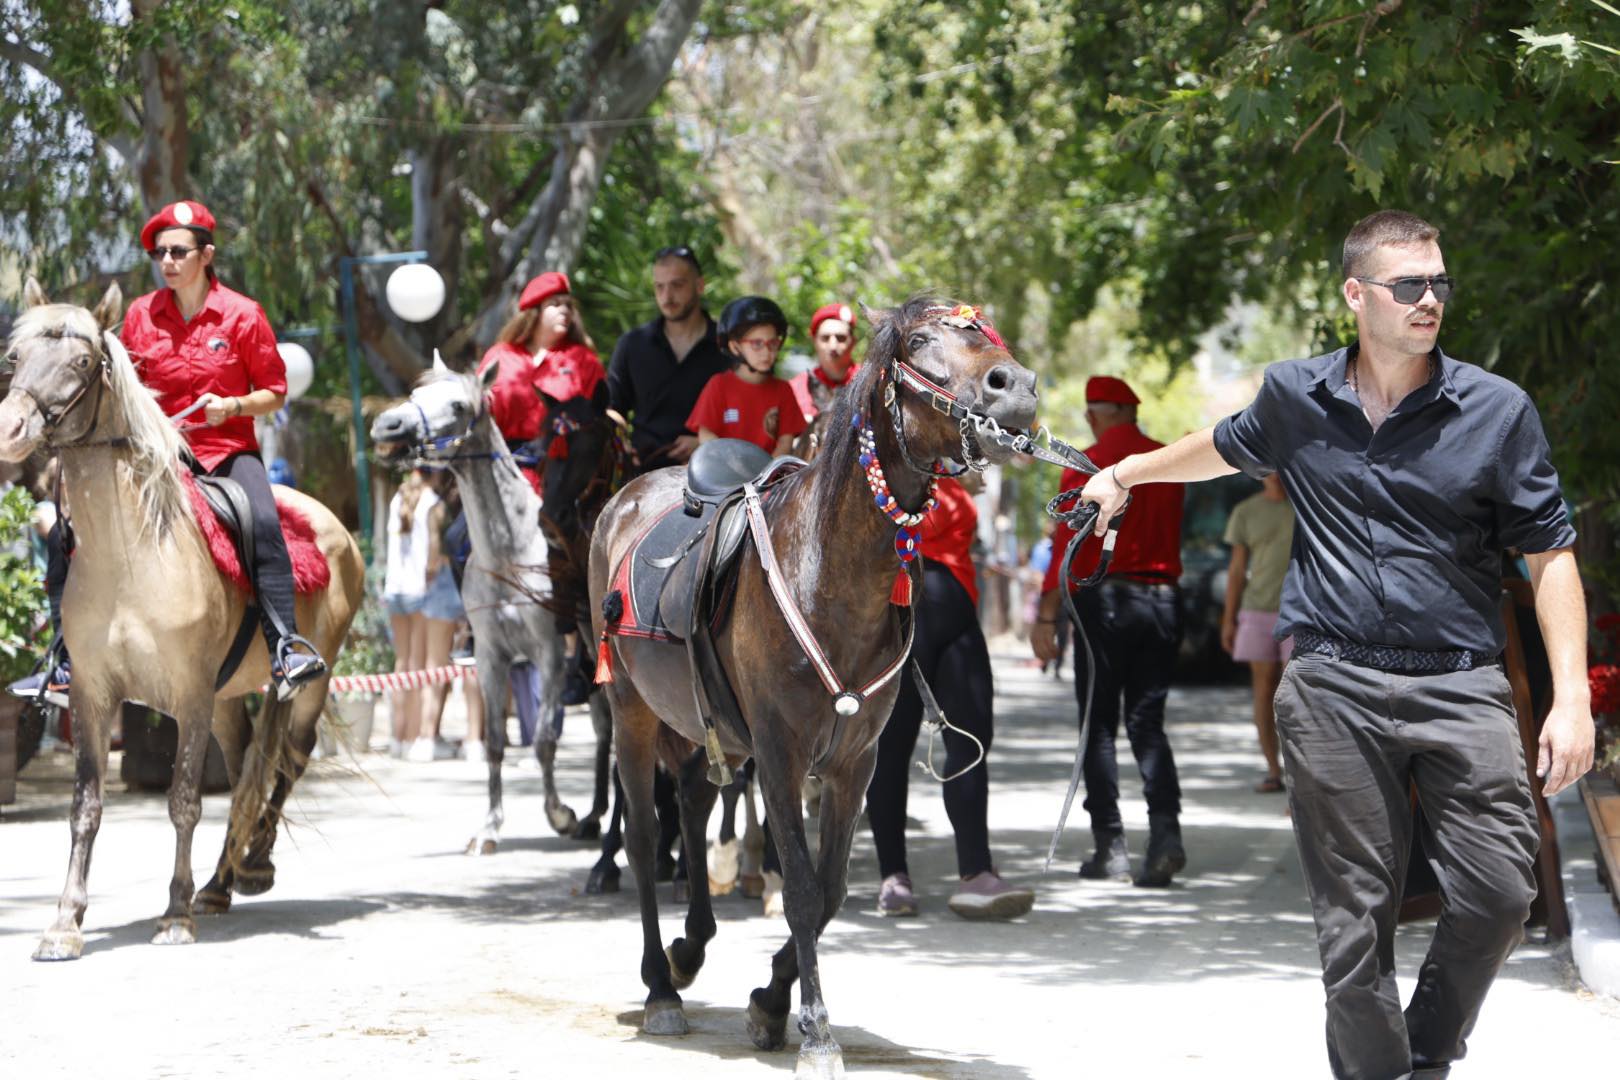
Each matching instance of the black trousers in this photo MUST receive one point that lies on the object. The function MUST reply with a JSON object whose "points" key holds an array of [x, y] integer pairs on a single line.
{"points": [[1134, 632], [949, 648], [272, 569], [1355, 741]]}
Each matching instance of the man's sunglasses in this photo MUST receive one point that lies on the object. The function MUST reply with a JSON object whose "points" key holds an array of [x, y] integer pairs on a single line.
{"points": [[1409, 290], [176, 252]]}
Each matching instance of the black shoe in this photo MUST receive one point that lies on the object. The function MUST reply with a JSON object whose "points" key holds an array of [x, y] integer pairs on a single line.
{"points": [[577, 685], [294, 672], [1165, 855], [1112, 860]]}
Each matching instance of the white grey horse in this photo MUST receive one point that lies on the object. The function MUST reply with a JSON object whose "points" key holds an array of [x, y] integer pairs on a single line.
{"points": [[446, 420]]}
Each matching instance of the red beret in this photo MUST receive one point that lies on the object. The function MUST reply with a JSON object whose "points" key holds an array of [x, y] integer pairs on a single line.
{"points": [[186, 214], [1100, 388], [842, 312], [549, 284]]}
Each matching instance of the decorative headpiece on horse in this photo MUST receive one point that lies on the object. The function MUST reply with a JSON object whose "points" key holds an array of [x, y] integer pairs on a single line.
{"points": [[964, 317]]}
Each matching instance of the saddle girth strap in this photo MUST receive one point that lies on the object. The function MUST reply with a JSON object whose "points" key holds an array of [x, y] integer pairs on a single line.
{"points": [[846, 702]]}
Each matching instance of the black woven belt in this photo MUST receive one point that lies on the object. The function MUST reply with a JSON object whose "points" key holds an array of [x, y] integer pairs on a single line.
{"points": [[1392, 657]]}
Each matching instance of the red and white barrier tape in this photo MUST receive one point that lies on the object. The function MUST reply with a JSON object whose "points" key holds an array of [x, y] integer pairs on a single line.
{"points": [[399, 680]]}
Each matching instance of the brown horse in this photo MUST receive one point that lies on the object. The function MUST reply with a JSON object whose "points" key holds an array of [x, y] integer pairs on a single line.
{"points": [[147, 616], [836, 555]]}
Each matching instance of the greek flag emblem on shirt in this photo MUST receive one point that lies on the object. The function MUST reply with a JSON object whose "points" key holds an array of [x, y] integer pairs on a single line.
{"points": [[731, 416]]}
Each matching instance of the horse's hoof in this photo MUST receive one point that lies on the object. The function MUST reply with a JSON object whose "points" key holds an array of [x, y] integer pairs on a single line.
{"points": [[682, 891], [751, 885], [681, 979], [212, 900], [60, 945], [723, 867], [175, 932], [768, 1032], [665, 1018], [564, 822], [602, 881], [254, 880], [475, 846], [589, 829], [819, 1063]]}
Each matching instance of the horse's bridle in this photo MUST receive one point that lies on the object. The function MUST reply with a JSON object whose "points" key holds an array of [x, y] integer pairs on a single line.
{"points": [[97, 377]]}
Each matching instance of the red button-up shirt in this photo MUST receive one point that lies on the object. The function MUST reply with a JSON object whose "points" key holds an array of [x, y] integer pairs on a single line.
{"points": [[515, 407], [1149, 541], [948, 531], [227, 348]]}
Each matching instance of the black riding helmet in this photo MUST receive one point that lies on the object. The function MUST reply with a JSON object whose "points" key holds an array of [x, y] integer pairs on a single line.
{"points": [[745, 313]]}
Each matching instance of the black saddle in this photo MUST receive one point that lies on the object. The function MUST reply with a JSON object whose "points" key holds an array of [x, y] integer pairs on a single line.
{"points": [[720, 467]]}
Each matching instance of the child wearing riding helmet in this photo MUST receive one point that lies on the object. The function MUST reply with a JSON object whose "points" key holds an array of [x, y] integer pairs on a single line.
{"points": [[196, 343], [541, 349], [748, 402]]}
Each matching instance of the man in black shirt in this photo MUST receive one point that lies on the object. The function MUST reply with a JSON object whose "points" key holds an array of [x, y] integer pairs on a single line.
{"points": [[1409, 472], [659, 369]]}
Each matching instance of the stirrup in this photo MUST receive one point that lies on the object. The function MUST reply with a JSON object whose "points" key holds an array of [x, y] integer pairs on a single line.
{"points": [[286, 682]]}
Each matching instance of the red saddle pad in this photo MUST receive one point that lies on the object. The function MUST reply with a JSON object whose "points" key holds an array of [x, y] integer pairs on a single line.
{"points": [[310, 572]]}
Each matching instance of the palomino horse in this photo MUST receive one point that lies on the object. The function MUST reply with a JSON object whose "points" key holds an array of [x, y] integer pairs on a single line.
{"points": [[506, 585], [835, 560], [148, 617]]}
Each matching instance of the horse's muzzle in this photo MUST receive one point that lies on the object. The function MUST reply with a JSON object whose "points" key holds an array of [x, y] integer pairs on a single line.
{"points": [[1007, 395], [21, 427]]}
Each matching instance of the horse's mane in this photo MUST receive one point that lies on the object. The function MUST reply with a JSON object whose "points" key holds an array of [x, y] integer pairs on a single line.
{"points": [[155, 443], [842, 446]]}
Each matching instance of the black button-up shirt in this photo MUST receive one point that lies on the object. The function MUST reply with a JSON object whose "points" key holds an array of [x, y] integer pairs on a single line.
{"points": [[1399, 531], [647, 385]]}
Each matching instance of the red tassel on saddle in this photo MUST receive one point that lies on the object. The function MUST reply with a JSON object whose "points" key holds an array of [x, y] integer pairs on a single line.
{"points": [[901, 594], [604, 662]]}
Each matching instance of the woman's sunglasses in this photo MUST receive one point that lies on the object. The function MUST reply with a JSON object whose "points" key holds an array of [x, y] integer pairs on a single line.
{"points": [[1409, 290], [176, 252]]}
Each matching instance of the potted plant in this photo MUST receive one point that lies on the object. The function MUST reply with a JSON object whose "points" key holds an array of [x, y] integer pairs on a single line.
{"points": [[24, 634], [367, 650]]}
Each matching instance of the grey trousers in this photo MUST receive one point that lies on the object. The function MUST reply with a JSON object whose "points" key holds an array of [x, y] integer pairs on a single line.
{"points": [[1353, 741]]}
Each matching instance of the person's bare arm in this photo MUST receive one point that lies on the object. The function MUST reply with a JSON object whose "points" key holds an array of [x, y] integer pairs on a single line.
{"points": [[1566, 737], [1236, 571], [704, 435], [219, 409], [1188, 459]]}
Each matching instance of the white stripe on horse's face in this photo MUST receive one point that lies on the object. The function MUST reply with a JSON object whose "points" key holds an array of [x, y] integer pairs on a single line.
{"points": [[445, 406]]}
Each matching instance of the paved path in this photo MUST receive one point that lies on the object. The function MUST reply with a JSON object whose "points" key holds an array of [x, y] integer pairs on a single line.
{"points": [[384, 951]]}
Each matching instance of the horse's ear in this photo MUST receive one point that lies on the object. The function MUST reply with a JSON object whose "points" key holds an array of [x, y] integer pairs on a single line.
{"points": [[33, 295], [110, 308], [439, 366], [873, 316], [489, 375], [546, 399]]}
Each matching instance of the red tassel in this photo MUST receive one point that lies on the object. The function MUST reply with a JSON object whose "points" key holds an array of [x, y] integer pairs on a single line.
{"points": [[558, 450], [901, 595], [604, 662]]}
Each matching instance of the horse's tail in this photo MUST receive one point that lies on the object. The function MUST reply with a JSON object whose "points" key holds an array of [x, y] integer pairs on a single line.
{"points": [[271, 761]]}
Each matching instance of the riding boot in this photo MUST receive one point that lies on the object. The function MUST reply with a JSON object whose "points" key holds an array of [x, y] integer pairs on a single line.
{"points": [[1112, 860], [1165, 855]]}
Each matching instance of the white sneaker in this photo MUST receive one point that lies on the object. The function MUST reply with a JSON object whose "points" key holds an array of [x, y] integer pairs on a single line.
{"points": [[420, 750], [472, 750]]}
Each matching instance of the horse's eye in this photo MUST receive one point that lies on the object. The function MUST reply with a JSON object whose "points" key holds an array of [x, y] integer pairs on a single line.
{"points": [[916, 342], [458, 407]]}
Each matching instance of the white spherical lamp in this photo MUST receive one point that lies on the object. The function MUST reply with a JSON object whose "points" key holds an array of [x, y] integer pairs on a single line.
{"points": [[300, 368], [415, 292]]}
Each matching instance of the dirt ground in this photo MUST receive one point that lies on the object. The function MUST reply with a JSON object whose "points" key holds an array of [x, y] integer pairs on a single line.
{"points": [[383, 950]]}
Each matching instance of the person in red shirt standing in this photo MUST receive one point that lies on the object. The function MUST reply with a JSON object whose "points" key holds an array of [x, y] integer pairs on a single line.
{"points": [[544, 349], [197, 343], [748, 402], [832, 332], [1132, 621], [541, 349], [950, 650]]}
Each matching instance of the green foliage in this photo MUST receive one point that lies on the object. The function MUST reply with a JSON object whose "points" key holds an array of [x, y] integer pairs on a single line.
{"points": [[368, 649], [24, 628]]}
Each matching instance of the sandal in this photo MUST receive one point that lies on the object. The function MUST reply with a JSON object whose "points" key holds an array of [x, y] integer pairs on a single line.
{"points": [[1270, 785]]}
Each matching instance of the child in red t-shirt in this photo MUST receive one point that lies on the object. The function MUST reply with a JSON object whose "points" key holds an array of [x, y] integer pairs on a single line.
{"points": [[749, 402]]}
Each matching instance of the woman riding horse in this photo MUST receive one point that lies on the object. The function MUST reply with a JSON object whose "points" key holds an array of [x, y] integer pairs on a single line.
{"points": [[201, 346]]}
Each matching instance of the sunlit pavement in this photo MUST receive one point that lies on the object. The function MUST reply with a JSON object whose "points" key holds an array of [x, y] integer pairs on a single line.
{"points": [[384, 951]]}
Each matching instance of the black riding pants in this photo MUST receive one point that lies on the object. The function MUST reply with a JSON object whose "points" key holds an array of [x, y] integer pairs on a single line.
{"points": [[272, 569], [950, 649], [1134, 632]]}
